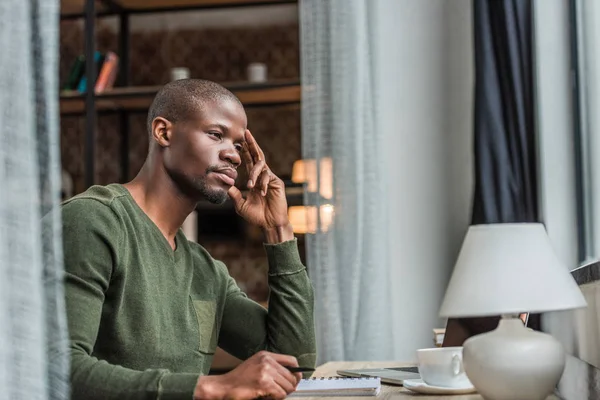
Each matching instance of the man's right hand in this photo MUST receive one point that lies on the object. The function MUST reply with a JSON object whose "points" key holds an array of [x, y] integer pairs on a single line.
{"points": [[262, 375]]}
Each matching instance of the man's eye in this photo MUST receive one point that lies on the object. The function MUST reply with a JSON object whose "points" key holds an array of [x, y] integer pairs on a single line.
{"points": [[218, 135], [239, 148]]}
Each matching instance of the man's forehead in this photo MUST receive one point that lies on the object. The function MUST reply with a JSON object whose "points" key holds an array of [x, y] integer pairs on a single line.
{"points": [[224, 109]]}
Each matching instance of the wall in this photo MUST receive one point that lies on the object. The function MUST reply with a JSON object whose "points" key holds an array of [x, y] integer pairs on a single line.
{"points": [[425, 82]]}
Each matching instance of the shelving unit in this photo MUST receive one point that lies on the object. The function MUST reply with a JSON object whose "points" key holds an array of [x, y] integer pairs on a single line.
{"points": [[125, 99], [138, 99], [75, 8]]}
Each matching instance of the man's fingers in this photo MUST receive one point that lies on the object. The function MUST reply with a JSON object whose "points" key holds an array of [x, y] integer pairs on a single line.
{"points": [[298, 376], [277, 392], [285, 360], [263, 181], [236, 197], [255, 174], [283, 377], [287, 383], [255, 150], [247, 158]]}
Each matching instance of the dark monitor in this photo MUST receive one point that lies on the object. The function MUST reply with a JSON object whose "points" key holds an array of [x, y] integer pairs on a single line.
{"points": [[460, 329]]}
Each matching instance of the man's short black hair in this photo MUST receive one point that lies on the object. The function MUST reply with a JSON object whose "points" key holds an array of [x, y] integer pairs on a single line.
{"points": [[179, 99]]}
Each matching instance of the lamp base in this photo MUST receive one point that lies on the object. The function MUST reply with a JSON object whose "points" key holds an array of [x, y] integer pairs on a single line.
{"points": [[513, 362]]}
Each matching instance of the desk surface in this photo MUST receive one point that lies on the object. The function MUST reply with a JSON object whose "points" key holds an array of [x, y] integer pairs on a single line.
{"points": [[388, 392]]}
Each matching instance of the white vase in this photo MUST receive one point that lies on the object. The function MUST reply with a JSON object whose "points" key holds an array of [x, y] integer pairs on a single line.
{"points": [[513, 362]]}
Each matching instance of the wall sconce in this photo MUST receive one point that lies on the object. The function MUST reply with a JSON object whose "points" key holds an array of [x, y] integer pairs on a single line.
{"points": [[305, 171], [304, 218]]}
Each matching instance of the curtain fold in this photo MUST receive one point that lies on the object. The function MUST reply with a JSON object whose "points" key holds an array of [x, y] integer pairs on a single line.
{"points": [[33, 333], [347, 259], [505, 152]]}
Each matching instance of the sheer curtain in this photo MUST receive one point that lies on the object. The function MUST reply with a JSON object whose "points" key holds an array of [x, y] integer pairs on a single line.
{"points": [[585, 18], [33, 339], [347, 257]]}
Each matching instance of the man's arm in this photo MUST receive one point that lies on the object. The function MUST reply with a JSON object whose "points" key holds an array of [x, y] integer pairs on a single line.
{"points": [[288, 325], [91, 236]]}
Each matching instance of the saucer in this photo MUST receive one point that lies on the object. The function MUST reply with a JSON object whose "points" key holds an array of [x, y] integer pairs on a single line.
{"points": [[417, 385]]}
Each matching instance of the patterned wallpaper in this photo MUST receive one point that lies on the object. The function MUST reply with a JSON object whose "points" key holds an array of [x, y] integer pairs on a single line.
{"points": [[220, 55], [216, 54]]}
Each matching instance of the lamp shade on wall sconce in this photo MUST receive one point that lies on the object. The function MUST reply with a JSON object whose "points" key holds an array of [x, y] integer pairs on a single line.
{"points": [[305, 171], [304, 218]]}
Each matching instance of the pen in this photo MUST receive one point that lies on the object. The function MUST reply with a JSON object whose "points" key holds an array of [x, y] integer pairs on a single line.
{"points": [[300, 369]]}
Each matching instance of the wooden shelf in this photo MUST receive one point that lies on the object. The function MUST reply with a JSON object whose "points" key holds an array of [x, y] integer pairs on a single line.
{"points": [[139, 98], [75, 8], [139, 5]]}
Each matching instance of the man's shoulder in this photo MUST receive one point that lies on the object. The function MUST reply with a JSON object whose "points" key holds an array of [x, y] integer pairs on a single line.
{"points": [[96, 199], [100, 194], [103, 194]]}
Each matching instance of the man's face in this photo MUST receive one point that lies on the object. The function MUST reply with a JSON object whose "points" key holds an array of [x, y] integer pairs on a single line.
{"points": [[204, 152]]}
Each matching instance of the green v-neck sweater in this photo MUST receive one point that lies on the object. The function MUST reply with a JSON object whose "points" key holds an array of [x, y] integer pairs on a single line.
{"points": [[145, 320]]}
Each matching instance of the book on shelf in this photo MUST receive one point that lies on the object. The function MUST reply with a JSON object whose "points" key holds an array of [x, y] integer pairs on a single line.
{"points": [[75, 74], [108, 72], [107, 68], [82, 86]]}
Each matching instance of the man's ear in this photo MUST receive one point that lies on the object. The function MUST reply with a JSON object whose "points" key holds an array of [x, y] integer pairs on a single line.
{"points": [[162, 130]]}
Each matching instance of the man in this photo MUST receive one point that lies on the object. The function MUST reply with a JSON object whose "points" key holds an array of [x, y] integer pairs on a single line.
{"points": [[147, 308]]}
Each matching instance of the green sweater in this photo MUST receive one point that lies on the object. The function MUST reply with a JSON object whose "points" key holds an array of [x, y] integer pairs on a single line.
{"points": [[145, 320]]}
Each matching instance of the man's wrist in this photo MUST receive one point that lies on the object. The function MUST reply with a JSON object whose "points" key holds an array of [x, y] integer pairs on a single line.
{"points": [[208, 388], [279, 234]]}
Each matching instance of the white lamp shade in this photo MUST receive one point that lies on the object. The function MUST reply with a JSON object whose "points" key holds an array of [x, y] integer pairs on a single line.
{"points": [[509, 269]]}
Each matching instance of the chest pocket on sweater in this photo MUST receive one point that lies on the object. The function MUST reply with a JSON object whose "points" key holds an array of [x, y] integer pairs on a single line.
{"points": [[206, 312]]}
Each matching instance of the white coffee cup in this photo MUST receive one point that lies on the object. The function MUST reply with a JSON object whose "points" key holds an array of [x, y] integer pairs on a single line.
{"points": [[443, 366]]}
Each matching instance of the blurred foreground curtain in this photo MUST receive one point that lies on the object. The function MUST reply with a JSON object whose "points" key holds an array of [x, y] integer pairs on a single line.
{"points": [[33, 337], [505, 152], [347, 253]]}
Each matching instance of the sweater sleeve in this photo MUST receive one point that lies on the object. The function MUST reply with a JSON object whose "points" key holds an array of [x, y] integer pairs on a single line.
{"points": [[91, 234], [287, 327]]}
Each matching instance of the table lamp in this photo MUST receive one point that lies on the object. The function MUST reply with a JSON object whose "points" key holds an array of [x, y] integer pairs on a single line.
{"points": [[506, 269]]}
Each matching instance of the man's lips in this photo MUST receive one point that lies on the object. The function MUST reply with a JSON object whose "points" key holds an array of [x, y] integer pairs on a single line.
{"points": [[227, 175]]}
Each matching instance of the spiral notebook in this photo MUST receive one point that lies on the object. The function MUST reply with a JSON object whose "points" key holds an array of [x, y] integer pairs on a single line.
{"points": [[337, 386]]}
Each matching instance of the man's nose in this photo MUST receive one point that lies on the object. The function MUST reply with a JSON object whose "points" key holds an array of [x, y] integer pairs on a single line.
{"points": [[231, 155]]}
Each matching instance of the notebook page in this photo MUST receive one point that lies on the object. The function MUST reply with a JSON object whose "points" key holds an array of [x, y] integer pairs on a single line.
{"points": [[338, 387]]}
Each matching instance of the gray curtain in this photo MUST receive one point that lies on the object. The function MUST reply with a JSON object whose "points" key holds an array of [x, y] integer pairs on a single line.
{"points": [[505, 154], [33, 334], [347, 259]]}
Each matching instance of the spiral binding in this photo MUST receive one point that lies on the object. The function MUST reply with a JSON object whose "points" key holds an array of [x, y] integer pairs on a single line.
{"points": [[335, 378]]}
